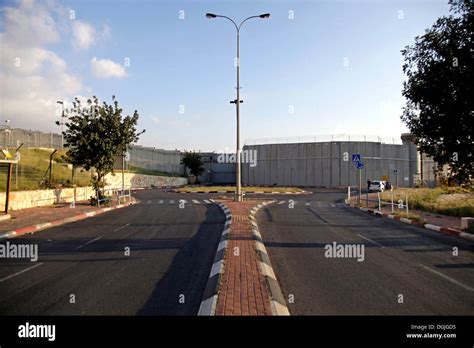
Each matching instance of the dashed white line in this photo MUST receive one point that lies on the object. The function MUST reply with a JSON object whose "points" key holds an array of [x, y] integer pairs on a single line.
{"points": [[195, 201], [370, 240], [149, 202], [454, 281], [307, 203], [160, 201], [89, 242], [17, 273], [281, 202], [122, 227], [171, 201], [207, 202]]}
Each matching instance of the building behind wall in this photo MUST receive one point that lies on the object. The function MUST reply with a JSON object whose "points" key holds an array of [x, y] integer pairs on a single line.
{"points": [[329, 164]]}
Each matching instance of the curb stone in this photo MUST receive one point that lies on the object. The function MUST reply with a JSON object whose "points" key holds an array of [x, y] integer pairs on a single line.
{"points": [[443, 230], [39, 227], [277, 300], [211, 292]]}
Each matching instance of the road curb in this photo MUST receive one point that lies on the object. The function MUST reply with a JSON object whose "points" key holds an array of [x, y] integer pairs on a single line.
{"points": [[211, 292], [443, 230], [39, 227], [277, 300]]}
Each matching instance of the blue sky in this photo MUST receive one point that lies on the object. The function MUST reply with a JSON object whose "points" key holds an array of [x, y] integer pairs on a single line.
{"points": [[314, 67]]}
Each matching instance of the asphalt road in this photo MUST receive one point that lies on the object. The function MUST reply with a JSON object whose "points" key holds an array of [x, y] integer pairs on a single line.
{"points": [[399, 260], [171, 254]]}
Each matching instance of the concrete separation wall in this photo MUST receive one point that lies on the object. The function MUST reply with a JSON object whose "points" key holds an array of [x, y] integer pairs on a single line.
{"points": [[330, 164], [140, 180]]}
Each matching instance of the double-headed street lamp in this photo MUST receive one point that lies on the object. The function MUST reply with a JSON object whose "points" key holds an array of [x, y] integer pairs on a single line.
{"points": [[237, 101]]}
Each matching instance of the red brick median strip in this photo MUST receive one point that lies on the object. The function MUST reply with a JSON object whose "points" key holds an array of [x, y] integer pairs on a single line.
{"points": [[243, 290]]}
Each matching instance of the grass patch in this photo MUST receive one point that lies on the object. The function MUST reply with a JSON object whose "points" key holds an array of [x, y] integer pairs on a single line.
{"points": [[32, 169], [411, 216], [452, 201], [244, 189]]}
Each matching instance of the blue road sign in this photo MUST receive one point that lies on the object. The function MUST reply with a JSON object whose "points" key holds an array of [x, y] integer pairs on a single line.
{"points": [[359, 165], [355, 157]]}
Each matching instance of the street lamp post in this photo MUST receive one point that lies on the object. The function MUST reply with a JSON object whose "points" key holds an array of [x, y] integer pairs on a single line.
{"points": [[237, 101], [62, 123]]}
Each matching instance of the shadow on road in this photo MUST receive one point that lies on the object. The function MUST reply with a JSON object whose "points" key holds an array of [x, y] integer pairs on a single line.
{"points": [[188, 272]]}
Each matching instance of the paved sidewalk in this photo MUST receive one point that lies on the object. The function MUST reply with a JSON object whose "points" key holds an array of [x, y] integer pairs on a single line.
{"points": [[41, 215], [243, 290]]}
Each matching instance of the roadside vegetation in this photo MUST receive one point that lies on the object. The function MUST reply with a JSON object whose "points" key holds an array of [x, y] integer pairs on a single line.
{"points": [[33, 171], [452, 201]]}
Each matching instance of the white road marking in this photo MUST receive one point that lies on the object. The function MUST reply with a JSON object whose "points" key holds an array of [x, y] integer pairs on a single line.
{"points": [[149, 202], [118, 229], [171, 201], [207, 202], [370, 240], [89, 242], [281, 202], [454, 281], [307, 203], [17, 273], [160, 201], [195, 201], [333, 205]]}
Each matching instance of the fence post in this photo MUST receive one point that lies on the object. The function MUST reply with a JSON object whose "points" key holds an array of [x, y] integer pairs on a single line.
{"points": [[392, 202], [406, 199]]}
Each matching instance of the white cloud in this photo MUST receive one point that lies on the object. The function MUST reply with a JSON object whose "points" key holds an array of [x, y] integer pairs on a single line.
{"points": [[155, 119], [84, 34], [106, 68], [32, 76]]}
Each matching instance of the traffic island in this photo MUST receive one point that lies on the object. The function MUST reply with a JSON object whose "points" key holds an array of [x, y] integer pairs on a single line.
{"points": [[246, 283]]}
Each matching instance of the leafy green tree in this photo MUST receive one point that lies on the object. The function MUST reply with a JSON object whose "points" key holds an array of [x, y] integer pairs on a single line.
{"points": [[192, 161], [96, 133], [439, 91]]}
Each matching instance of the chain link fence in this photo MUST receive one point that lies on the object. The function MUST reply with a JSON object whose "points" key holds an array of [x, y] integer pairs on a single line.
{"points": [[39, 169]]}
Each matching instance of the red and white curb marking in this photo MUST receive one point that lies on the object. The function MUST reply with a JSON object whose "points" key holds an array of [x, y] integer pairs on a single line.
{"points": [[277, 300], [211, 292], [38, 227], [439, 229]]}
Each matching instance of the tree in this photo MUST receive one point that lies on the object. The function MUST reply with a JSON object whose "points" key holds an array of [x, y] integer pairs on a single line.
{"points": [[96, 133], [439, 91], [192, 161]]}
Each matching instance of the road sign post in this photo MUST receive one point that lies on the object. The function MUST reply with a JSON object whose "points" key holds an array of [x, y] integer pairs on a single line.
{"points": [[360, 187], [359, 165]]}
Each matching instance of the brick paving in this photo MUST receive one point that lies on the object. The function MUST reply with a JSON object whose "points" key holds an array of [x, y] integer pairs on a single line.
{"points": [[243, 290], [32, 216]]}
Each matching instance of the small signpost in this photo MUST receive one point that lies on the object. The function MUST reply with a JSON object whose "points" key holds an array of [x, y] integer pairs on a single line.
{"points": [[9, 161], [359, 165]]}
